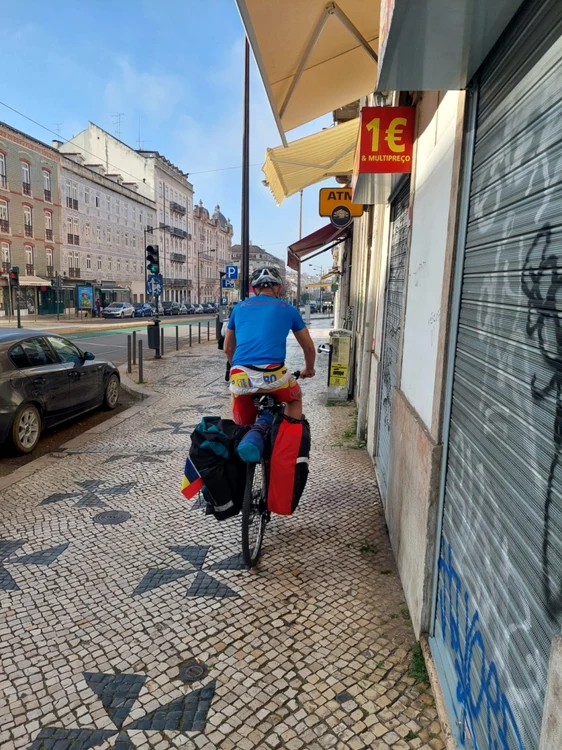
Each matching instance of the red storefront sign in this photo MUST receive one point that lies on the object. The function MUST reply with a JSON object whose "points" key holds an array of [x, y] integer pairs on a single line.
{"points": [[386, 140]]}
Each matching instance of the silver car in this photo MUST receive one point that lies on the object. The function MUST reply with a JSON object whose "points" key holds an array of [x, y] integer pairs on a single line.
{"points": [[119, 310]]}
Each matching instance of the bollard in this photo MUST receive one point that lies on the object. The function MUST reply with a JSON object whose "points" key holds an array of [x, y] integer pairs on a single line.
{"points": [[177, 338], [141, 364], [199, 339], [190, 334], [134, 347], [162, 341], [129, 356], [208, 330]]}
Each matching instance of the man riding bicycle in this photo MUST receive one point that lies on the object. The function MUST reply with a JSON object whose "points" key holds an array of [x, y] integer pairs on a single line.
{"points": [[256, 346]]}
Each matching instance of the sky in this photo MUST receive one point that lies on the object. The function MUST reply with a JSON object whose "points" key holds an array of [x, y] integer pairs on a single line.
{"points": [[174, 69]]}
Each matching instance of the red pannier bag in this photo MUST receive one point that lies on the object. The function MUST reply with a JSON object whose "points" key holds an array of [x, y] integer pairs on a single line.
{"points": [[288, 468]]}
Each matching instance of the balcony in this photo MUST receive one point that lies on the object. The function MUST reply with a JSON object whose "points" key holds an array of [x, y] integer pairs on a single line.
{"points": [[74, 273], [5, 267], [50, 272], [49, 234], [28, 230], [3, 181], [76, 239], [70, 239], [177, 258], [172, 281], [48, 197], [178, 208], [29, 269], [174, 231], [4, 226], [26, 188], [71, 203]]}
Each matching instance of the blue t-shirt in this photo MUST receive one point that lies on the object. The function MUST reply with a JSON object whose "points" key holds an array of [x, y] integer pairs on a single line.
{"points": [[261, 325]]}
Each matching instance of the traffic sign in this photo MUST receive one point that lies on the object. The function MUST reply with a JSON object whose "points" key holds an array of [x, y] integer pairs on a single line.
{"points": [[232, 272], [331, 199], [228, 283], [154, 285]]}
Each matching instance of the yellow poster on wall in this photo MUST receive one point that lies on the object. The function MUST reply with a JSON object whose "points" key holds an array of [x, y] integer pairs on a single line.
{"points": [[338, 374]]}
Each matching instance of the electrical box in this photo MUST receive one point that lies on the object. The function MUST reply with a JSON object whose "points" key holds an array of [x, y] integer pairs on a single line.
{"points": [[339, 367]]}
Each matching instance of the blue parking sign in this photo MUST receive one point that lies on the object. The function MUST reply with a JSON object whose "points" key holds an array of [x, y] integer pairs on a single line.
{"points": [[232, 272]]}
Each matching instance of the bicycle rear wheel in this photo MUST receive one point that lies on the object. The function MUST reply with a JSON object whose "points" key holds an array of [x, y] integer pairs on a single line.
{"points": [[254, 513]]}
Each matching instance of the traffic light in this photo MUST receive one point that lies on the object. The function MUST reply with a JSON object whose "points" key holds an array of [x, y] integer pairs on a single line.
{"points": [[153, 259], [15, 276]]}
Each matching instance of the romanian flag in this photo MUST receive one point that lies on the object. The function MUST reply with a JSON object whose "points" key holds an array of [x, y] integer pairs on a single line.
{"points": [[191, 482]]}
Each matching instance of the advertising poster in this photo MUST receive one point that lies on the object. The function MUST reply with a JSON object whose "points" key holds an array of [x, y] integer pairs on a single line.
{"points": [[85, 298]]}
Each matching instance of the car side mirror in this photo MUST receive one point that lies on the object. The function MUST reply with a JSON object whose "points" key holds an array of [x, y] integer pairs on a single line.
{"points": [[89, 356], [324, 349]]}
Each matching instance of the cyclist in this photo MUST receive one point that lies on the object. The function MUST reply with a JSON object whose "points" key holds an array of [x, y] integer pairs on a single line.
{"points": [[256, 346]]}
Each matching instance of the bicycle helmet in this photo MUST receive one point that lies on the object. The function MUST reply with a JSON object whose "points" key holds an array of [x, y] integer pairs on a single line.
{"points": [[262, 278]]}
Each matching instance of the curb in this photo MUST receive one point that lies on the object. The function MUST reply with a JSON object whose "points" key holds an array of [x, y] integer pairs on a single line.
{"points": [[448, 735]]}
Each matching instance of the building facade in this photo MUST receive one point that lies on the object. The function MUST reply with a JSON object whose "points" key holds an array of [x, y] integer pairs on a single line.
{"points": [[30, 216], [212, 252], [104, 220], [160, 181], [260, 258]]}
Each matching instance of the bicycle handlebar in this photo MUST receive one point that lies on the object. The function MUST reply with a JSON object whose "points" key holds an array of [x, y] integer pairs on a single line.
{"points": [[297, 374]]}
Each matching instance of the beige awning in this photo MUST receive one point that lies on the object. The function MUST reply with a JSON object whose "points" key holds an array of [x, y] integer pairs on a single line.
{"points": [[28, 281], [312, 159], [313, 56]]}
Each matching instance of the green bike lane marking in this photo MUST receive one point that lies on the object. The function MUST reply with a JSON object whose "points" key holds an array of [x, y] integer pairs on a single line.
{"points": [[132, 329]]}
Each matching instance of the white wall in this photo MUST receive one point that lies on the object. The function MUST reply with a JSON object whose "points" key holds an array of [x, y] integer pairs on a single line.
{"points": [[432, 188]]}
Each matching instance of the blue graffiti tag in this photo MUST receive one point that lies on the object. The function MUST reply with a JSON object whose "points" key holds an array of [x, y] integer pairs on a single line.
{"points": [[483, 705]]}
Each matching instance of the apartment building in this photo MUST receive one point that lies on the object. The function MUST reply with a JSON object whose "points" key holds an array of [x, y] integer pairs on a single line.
{"points": [[29, 220], [212, 243]]}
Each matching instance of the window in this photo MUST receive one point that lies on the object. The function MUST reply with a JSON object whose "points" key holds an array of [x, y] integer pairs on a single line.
{"points": [[4, 217], [118, 264], [127, 266], [99, 263], [76, 232], [5, 253], [29, 258], [17, 355], [98, 232], [49, 256], [126, 240], [133, 213], [89, 262], [126, 210], [3, 181], [87, 230], [141, 217], [87, 196], [69, 232], [160, 188], [108, 203], [117, 207], [134, 266], [110, 264], [28, 221], [65, 350], [25, 175], [48, 220], [97, 201], [134, 239], [118, 237]]}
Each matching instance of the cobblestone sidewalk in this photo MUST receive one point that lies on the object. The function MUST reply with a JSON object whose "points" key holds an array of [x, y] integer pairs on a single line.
{"points": [[129, 622]]}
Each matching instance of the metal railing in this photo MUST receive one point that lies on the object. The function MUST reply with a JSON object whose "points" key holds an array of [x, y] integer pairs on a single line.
{"points": [[26, 188], [178, 208], [4, 225], [76, 239], [74, 273], [5, 266], [3, 181], [178, 257], [182, 234], [49, 234], [50, 272], [48, 196], [29, 269], [28, 230]]}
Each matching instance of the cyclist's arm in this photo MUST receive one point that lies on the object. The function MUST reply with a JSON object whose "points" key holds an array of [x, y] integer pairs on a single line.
{"points": [[309, 350], [229, 344]]}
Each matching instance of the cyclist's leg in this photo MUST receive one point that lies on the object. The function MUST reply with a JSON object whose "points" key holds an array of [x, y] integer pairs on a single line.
{"points": [[291, 395], [244, 409]]}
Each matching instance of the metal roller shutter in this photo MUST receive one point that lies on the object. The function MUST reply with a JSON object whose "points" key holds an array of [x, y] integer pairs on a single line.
{"points": [[392, 327], [499, 597]]}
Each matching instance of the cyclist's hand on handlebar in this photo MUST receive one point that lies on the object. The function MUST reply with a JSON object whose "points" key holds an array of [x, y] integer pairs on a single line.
{"points": [[307, 372]]}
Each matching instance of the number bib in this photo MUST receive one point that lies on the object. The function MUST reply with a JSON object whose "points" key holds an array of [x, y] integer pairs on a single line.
{"points": [[244, 380]]}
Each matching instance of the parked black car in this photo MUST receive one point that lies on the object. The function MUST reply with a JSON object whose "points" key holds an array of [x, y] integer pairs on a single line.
{"points": [[171, 308], [46, 379], [209, 308]]}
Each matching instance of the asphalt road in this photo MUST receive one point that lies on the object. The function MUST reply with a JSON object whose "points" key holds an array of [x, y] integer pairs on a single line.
{"points": [[112, 345]]}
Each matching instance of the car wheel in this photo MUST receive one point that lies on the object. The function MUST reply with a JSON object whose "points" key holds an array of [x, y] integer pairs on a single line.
{"points": [[26, 429], [111, 395], [122, 314]]}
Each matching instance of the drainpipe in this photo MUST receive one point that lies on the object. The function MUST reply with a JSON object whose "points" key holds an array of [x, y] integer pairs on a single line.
{"points": [[369, 328]]}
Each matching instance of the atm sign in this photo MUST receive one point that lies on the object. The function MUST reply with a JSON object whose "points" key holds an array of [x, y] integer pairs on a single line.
{"points": [[333, 197]]}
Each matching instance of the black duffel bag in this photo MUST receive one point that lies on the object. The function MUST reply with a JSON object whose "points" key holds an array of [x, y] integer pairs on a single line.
{"points": [[213, 452]]}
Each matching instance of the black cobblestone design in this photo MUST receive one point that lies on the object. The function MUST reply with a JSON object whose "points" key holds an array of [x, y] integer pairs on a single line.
{"points": [[207, 586], [123, 742], [8, 546], [88, 494], [195, 554], [7, 583], [343, 697], [234, 562], [90, 500], [118, 692], [53, 738], [174, 428], [187, 714], [157, 577], [43, 557], [57, 497], [112, 517]]}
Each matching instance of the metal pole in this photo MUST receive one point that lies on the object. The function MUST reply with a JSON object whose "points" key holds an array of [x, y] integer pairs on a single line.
{"points": [[199, 334], [208, 330], [162, 341], [141, 363], [299, 268], [57, 293], [245, 219], [145, 268], [129, 353], [190, 344], [177, 338], [134, 347], [156, 319], [18, 311]]}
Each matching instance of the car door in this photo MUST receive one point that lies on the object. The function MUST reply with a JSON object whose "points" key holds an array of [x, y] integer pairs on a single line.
{"points": [[85, 377], [41, 378]]}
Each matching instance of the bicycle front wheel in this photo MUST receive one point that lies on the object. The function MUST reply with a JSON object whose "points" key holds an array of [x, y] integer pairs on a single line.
{"points": [[254, 513]]}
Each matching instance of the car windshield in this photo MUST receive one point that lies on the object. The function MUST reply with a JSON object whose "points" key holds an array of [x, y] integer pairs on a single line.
{"points": [[115, 305]]}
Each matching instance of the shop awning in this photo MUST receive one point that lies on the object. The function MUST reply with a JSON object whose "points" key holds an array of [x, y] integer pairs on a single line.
{"points": [[312, 159], [313, 56], [34, 281], [324, 238]]}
